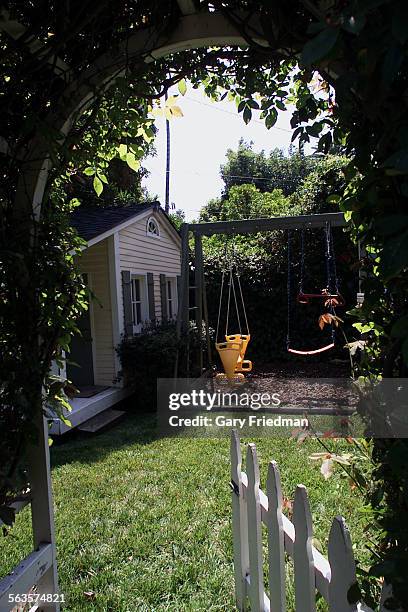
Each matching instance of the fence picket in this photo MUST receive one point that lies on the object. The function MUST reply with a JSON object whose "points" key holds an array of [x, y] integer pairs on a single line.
{"points": [[256, 588], [276, 540], [239, 523], [302, 553], [332, 577], [343, 567]]}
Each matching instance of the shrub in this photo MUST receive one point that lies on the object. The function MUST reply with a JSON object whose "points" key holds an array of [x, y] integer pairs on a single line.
{"points": [[151, 354]]}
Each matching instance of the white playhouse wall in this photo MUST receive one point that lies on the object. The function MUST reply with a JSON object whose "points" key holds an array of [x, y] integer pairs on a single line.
{"points": [[141, 253]]}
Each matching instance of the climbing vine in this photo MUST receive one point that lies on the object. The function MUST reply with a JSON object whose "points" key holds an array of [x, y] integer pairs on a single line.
{"points": [[340, 68]]}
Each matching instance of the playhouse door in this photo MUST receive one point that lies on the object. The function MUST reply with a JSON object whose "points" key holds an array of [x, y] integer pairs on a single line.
{"points": [[81, 371]]}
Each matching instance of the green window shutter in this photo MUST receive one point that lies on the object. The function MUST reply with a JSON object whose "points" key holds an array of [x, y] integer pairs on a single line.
{"points": [[150, 295], [127, 303], [178, 284], [163, 297]]}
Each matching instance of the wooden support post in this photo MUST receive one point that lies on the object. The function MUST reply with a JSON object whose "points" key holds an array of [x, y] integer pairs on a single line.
{"points": [[199, 273], [183, 302], [185, 278], [42, 510], [207, 325]]}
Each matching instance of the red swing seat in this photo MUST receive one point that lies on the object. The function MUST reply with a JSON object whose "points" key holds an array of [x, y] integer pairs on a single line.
{"points": [[304, 298]]}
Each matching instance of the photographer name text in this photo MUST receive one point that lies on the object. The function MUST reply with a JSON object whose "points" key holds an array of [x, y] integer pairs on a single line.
{"points": [[236, 422]]}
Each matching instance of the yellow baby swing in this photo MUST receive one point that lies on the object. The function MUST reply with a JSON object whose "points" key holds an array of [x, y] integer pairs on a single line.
{"points": [[232, 347]]}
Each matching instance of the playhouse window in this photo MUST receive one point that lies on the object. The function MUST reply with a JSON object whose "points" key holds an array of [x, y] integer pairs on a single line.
{"points": [[171, 298], [153, 227], [136, 296]]}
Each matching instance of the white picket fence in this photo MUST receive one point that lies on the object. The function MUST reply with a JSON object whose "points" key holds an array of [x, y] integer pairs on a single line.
{"points": [[251, 507]]}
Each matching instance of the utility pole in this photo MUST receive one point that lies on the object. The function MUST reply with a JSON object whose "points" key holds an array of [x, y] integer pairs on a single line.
{"points": [[167, 196]]}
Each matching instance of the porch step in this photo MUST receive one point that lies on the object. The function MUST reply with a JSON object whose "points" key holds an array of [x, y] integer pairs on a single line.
{"points": [[100, 420]]}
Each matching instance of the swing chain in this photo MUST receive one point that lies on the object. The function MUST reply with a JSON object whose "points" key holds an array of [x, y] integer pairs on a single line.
{"points": [[329, 268], [328, 257], [242, 302], [332, 280], [336, 280], [289, 286], [219, 305], [302, 259], [331, 272]]}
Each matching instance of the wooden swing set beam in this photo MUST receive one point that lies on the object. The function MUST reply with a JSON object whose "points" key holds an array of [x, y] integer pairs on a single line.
{"points": [[251, 226]]}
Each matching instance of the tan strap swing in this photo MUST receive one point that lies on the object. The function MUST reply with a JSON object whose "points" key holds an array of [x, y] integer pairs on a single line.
{"points": [[330, 296], [232, 349]]}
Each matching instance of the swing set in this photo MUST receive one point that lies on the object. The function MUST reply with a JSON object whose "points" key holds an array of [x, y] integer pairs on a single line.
{"points": [[232, 347]]}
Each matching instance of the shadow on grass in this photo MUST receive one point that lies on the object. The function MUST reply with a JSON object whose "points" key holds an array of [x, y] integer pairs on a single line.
{"points": [[76, 446]]}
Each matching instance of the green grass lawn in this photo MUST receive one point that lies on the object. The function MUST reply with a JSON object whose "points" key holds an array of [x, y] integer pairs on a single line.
{"points": [[144, 524]]}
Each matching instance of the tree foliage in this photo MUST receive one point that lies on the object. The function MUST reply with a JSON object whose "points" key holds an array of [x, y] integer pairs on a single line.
{"points": [[357, 49], [265, 171]]}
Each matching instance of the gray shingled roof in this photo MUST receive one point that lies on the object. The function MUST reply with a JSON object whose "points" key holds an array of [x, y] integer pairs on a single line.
{"points": [[91, 222]]}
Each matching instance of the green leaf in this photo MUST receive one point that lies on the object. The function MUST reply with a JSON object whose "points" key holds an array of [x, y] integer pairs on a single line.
{"points": [[271, 118], [333, 199], [74, 202], [103, 178], [89, 171], [296, 133], [317, 48], [132, 162], [97, 185], [137, 150], [253, 103], [247, 115], [182, 87], [314, 129], [66, 421], [325, 142], [122, 151]]}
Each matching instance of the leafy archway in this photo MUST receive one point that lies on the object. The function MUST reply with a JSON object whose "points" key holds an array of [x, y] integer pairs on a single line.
{"points": [[70, 67]]}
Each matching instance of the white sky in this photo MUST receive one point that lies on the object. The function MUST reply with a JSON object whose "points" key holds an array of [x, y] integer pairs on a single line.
{"points": [[199, 142]]}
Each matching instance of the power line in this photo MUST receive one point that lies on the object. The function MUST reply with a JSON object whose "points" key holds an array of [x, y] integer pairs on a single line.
{"points": [[236, 176], [224, 110]]}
